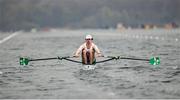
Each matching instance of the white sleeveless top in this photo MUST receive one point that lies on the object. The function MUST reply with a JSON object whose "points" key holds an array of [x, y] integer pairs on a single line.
{"points": [[83, 46]]}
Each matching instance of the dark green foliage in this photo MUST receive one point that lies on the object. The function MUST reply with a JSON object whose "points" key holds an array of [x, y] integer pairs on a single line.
{"points": [[28, 14]]}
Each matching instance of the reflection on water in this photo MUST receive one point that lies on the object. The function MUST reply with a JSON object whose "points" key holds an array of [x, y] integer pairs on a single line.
{"points": [[114, 79]]}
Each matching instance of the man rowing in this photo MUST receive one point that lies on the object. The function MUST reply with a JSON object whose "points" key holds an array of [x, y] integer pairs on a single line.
{"points": [[88, 51]]}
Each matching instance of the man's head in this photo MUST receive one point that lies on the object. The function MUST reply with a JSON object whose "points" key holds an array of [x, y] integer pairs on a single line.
{"points": [[88, 38]]}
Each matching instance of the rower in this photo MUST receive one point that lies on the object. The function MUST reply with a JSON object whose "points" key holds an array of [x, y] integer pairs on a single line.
{"points": [[88, 51]]}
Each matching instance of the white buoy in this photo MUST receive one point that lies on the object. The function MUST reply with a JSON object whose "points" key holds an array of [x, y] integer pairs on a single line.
{"points": [[175, 67], [176, 39], [162, 38], [151, 37], [157, 38], [1, 72], [137, 36], [146, 37]]}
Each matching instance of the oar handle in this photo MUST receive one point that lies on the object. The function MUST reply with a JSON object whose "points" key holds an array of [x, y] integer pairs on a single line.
{"points": [[152, 61], [65, 57], [51, 58], [130, 58], [60, 58], [113, 57], [43, 59], [25, 61], [134, 58]]}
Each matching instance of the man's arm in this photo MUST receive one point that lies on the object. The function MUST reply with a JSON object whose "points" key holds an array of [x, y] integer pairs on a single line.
{"points": [[78, 51], [99, 54]]}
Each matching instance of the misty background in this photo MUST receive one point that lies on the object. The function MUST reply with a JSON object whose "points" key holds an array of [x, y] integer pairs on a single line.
{"points": [[75, 14]]}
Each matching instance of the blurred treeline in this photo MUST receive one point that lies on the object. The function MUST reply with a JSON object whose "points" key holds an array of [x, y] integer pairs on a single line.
{"points": [[27, 14]]}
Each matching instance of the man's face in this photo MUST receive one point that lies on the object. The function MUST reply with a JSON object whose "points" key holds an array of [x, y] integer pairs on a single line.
{"points": [[89, 40]]}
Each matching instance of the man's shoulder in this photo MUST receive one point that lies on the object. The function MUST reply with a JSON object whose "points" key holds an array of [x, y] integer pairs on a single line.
{"points": [[83, 45], [93, 44]]}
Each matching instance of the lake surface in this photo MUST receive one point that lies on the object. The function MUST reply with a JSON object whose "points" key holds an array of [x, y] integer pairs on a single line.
{"points": [[115, 79]]}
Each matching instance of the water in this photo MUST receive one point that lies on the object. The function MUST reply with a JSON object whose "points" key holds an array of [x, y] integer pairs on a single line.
{"points": [[115, 79]]}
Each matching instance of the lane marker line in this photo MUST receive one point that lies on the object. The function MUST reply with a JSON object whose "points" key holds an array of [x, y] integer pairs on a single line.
{"points": [[9, 37], [147, 37]]}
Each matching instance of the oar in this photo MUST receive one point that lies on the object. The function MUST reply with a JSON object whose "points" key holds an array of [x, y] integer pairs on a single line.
{"points": [[152, 61], [24, 61]]}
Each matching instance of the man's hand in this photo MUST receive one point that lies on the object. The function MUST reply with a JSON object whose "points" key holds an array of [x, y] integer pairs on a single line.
{"points": [[76, 56], [100, 55]]}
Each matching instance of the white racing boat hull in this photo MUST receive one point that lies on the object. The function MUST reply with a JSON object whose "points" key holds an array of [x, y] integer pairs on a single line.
{"points": [[88, 67]]}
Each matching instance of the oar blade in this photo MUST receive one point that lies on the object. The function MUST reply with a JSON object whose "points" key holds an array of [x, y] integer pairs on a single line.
{"points": [[23, 61], [154, 61]]}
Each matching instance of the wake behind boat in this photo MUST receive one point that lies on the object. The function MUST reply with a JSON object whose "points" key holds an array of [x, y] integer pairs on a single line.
{"points": [[88, 67]]}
